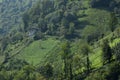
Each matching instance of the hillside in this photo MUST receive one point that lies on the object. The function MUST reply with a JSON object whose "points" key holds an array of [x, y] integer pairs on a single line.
{"points": [[37, 50], [60, 40]]}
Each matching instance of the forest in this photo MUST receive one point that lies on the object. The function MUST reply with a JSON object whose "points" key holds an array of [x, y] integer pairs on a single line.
{"points": [[59, 39]]}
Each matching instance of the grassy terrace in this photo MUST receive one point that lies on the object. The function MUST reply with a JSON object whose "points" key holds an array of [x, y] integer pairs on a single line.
{"points": [[36, 51]]}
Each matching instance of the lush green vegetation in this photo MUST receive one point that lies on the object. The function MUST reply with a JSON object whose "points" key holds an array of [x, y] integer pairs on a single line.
{"points": [[36, 51], [60, 40]]}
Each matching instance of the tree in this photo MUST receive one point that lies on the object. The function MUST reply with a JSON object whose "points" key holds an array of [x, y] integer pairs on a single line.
{"points": [[46, 70], [67, 59], [38, 36], [91, 33], [98, 3], [85, 49], [25, 19], [107, 52], [78, 63], [26, 73], [116, 51], [113, 71], [4, 43], [18, 36], [15, 64], [4, 75], [71, 30], [117, 33], [113, 21]]}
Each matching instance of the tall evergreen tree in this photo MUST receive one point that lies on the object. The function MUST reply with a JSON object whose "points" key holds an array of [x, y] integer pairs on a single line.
{"points": [[113, 21], [67, 58], [85, 49], [116, 51], [107, 52]]}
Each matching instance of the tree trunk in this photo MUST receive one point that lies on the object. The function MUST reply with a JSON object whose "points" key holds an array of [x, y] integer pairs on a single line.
{"points": [[71, 74], [65, 68], [88, 64]]}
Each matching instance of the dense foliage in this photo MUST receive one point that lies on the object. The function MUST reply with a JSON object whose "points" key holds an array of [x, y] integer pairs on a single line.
{"points": [[60, 40]]}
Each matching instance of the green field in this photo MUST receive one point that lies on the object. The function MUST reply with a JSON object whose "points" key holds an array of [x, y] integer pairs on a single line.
{"points": [[37, 50]]}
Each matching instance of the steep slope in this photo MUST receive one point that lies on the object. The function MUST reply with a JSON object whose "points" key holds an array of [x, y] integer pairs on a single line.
{"points": [[62, 40]]}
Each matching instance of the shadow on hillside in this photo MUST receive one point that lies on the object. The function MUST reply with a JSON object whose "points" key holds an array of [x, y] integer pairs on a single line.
{"points": [[108, 5]]}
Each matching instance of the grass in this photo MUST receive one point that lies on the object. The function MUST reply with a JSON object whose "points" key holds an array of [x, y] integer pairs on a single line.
{"points": [[36, 51], [115, 41], [96, 58]]}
